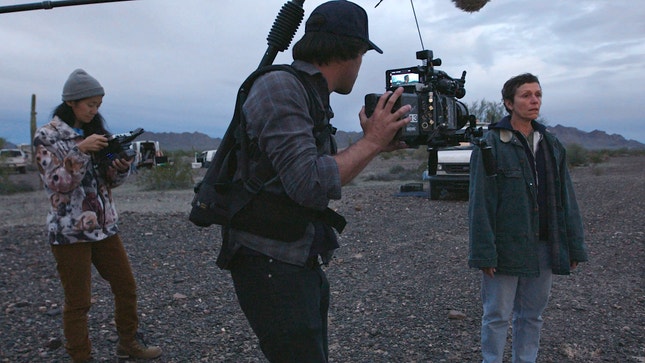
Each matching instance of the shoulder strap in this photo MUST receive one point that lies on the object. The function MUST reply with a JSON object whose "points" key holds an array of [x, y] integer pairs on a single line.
{"points": [[235, 140], [230, 140], [264, 170]]}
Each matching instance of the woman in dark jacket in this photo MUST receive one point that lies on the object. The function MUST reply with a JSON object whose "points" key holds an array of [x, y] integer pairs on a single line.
{"points": [[525, 224]]}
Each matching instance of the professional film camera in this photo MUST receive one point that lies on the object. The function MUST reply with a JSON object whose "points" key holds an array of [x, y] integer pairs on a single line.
{"points": [[118, 148], [438, 118]]}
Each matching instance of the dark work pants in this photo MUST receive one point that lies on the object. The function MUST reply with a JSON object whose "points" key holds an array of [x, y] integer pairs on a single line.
{"points": [[286, 306]]}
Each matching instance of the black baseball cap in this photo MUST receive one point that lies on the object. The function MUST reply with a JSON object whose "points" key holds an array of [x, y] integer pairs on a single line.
{"points": [[340, 17]]}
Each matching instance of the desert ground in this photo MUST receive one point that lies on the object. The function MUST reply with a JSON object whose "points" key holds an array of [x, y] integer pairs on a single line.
{"points": [[401, 288]]}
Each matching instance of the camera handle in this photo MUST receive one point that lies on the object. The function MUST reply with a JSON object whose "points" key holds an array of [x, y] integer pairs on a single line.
{"points": [[487, 157], [476, 136], [433, 160]]}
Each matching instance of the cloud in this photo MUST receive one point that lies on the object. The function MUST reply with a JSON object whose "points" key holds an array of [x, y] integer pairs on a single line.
{"points": [[176, 65]]}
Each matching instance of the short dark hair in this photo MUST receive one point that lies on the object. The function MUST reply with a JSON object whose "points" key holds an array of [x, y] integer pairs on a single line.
{"points": [[324, 48], [511, 86], [66, 114]]}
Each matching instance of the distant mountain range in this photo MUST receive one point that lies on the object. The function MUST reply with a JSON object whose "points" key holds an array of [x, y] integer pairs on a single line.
{"points": [[594, 140], [197, 141]]}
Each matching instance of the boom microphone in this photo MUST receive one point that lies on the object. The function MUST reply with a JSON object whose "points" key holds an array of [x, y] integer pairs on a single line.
{"points": [[284, 28], [470, 5]]}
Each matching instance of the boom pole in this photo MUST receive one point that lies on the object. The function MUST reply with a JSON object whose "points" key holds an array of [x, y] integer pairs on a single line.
{"points": [[47, 5]]}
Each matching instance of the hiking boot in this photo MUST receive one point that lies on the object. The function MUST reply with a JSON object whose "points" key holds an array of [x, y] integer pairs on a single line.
{"points": [[137, 349]]}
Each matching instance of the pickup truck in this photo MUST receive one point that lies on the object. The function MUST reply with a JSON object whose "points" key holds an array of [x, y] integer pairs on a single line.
{"points": [[14, 159]]}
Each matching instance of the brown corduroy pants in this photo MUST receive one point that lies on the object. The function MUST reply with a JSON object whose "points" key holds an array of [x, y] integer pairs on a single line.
{"points": [[74, 265]]}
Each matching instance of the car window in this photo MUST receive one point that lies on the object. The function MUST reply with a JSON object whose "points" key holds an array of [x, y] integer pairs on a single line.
{"points": [[10, 153]]}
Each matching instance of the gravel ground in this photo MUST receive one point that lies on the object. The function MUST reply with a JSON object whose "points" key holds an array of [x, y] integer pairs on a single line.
{"points": [[401, 288]]}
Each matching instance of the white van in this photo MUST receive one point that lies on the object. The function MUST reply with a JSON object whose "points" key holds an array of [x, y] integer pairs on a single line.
{"points": [[205, 157], [147, 154]]}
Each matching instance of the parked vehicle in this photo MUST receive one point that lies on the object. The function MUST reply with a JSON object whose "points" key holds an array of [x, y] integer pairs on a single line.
{"points": [[14, 159], [147, 154], [27, 149], [205, 157], [453, 171]]}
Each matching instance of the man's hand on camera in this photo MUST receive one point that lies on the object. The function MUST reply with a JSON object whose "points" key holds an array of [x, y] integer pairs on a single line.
{"points": [[378, 135], [395, 145], [383, 125], [93, 143]]}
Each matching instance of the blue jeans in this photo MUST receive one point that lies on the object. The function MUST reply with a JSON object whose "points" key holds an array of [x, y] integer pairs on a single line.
{"points": [[286, 306], [524, 297]]}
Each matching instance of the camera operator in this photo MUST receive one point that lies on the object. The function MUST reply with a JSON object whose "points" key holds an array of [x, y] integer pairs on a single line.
{"points": [[525, 224], [280, 285], [82, 219]]}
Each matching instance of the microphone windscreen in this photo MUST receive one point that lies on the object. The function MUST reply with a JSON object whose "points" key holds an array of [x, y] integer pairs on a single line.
{"points": [[470, 5]]}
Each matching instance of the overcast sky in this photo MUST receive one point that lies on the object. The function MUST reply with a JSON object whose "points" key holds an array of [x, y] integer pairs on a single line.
{"points": [[175, 66]]}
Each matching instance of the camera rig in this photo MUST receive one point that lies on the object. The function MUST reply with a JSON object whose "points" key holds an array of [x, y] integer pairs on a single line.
{"points": [[438, 118], [118, 148]]}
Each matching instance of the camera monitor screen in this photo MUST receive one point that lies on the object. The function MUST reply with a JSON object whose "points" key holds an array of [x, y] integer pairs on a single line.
{"points": [[401, 77]]}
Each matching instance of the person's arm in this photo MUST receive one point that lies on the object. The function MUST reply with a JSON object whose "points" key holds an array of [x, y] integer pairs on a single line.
{"points": [[61, 163], [378, 134], [573, 217], [482, 210]]}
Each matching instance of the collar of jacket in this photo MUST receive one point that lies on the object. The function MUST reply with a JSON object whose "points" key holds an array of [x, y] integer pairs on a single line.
{"points": [[305, 67], [65, 132], [506, 131], [319, 83]]}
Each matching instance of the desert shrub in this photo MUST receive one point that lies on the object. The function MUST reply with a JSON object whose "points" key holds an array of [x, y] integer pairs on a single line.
{"points": [[396, 172], [618, 152], [420, 153], [166, 177], [410, 174], [397, 169], [577, 155], [177, 154], [8, 186], [380, 177], [385, 156], [404, 154], [597, 157]]}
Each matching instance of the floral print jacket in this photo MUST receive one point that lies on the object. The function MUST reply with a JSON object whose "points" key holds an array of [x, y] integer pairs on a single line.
{"points": [[81, 205]]}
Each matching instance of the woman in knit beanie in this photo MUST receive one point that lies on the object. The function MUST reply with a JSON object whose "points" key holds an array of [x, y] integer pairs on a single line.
{"points": [[82, 218]]}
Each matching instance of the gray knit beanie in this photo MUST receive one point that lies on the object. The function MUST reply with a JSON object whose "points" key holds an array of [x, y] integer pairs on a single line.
{"points": [[81, 85]]}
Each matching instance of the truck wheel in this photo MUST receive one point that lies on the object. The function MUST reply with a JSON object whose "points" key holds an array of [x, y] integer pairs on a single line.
{"points": [[22, 170], [435, 191]]}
